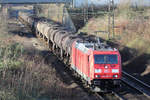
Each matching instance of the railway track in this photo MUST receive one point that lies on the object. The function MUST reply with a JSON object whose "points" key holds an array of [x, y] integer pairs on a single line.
{"points": [[113, 96], [108, 96], [99, 97], [118, 96], [136, 84]]}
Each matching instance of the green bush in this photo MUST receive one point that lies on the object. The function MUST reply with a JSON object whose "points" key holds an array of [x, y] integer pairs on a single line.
{"points": [[7, 95], [9, 56]]}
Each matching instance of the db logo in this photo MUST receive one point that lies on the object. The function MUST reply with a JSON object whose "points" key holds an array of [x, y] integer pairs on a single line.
{"points": [[106, 71]]}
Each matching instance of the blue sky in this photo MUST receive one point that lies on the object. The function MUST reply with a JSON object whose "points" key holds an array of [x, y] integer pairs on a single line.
{"points": [[79, 2]]}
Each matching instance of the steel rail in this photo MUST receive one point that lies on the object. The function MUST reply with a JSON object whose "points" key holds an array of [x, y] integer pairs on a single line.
{"points": [[118, 96], [99, 97], [136, 79], [136, 84]]}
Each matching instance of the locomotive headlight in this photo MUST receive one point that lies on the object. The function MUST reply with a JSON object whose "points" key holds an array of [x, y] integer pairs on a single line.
{"points": [[98, 70], [115, 70], [115, 76], [106, 67], [97, 76]]}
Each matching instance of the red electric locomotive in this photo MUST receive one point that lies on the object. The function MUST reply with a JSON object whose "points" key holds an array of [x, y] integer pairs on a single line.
{"points": [[98, 64]]}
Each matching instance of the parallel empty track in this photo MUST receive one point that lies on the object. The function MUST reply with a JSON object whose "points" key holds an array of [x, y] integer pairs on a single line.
{"points": [[135, 83]]}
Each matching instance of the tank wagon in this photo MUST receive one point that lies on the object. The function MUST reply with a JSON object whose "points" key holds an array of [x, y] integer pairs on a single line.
{"points": [[96, 63]]}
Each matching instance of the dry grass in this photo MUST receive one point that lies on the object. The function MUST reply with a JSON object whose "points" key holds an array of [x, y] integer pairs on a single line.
{"points": [[25, 77]]}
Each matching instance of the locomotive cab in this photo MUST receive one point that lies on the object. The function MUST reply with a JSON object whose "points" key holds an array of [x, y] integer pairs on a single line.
{"points": [[107, 69], [98, 64], [106, 66]]}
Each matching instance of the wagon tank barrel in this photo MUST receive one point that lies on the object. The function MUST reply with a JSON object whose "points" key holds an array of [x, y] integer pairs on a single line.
{"points": [[58, 34]]}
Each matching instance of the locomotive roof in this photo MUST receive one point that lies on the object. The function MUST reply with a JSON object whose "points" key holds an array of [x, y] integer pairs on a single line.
{"points": [[85, 46]]}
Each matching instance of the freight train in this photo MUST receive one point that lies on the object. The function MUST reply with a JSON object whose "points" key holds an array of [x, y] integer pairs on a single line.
{"points": [[96, 63]]}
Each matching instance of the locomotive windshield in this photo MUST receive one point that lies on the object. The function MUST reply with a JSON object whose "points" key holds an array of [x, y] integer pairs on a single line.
{"points": [[105, 59]]}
